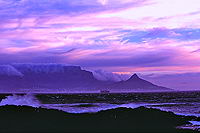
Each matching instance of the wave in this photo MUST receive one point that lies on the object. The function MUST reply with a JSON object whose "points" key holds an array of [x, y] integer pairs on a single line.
{"points": [[31, 100], [28, 100], [96, 107]]}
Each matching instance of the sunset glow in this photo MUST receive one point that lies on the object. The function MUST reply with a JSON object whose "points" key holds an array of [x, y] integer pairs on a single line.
{"points": [[137, 35]]}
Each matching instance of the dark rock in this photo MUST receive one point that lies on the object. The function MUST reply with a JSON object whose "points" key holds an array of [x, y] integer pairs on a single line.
{"points": [[29, 119]]}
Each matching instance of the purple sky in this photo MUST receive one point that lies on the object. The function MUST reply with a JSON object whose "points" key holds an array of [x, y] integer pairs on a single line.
{"points": [[121, 36]]}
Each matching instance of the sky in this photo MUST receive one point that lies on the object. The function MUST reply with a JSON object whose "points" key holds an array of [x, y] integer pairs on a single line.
{"points": [[119, 36]]}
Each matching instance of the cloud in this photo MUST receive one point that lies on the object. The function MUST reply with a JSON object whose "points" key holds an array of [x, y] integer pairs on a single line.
{"points": [[181, 34], [179, 81], [117, 35], [30, 8], [108, 76]]}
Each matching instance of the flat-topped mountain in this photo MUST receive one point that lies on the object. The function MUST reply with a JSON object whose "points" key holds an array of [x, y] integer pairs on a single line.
{"points": [[46, 77], [60, 77]]}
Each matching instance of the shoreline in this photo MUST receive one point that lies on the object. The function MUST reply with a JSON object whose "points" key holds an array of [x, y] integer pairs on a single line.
{"points": [[26, 118], [97, 92]]}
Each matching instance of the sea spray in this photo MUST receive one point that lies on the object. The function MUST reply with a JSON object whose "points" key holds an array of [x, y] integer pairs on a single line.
{"points": [[28, 99]]}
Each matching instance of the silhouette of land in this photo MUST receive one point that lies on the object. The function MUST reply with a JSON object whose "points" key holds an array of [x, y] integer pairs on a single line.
{"points": [[29, 119], [62, 78]]}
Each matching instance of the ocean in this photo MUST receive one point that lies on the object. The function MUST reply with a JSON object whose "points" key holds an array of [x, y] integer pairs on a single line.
{"points": [[181, 103]]}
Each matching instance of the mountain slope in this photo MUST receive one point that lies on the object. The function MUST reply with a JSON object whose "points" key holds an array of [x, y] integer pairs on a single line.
{"points": [[48, 77], [134, 83], [63, 78]]}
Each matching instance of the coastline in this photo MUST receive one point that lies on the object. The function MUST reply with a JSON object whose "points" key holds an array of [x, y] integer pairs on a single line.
{"points": [[30, 119]]}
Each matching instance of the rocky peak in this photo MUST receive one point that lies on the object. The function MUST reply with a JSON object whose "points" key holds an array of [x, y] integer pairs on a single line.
{"points": [[134, 77]]}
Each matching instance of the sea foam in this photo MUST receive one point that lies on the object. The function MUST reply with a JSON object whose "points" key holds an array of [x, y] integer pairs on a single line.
{"points": [[28, 100]]}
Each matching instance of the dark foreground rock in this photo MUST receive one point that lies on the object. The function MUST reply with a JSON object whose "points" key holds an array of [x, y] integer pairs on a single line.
{"points": [[29, 119]]}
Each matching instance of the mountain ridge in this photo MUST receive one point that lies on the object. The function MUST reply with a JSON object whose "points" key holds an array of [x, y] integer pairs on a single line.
{"points": [[59, 77], [137, 84]]}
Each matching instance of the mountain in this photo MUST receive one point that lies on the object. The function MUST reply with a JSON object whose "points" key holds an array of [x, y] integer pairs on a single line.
{"points": [[134, 83], [9, 71], [47, 77], [63, 78]]}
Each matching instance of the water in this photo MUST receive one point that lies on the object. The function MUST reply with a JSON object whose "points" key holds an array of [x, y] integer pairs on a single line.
{"points": [[185, 103], [28, 99], [181, 103]]}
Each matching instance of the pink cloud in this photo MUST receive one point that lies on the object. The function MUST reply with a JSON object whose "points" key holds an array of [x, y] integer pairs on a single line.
{"points": [[98, 35]]}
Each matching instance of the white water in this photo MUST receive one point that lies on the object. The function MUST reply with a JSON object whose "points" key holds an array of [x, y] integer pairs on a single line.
{"points": [[96, 107], [31, 100], [28, 99]]}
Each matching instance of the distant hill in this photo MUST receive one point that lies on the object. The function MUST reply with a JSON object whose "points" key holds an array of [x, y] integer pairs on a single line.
{"points": [[137, 84], [63, 78]]}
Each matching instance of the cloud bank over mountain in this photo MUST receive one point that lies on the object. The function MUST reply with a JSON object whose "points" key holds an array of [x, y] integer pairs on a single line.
{"points": [[109, 76], [17, 71], [58, 78], [118, 36]]}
